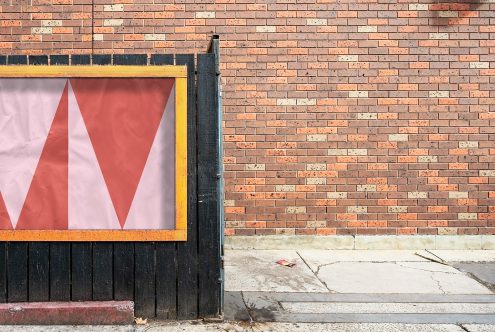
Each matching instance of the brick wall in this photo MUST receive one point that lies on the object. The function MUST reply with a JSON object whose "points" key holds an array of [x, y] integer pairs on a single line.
{"points": [[341, 117]]}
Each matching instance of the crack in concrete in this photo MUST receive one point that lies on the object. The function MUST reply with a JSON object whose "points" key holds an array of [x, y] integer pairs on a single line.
{"points": [[424, 270], [432, 276], [318, 271]]}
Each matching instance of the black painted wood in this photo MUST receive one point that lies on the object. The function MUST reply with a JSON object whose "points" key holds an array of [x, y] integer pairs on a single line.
{"points": [[59, 59], [39, 271], [123, 270], [102, 59], [81, 271], [38, 59], [165, 279], [17, 272], [187, 252], [80, 59], [102, 271], [208, 214], [3, 272], [166, 254], [60, 269], [144, 289]]}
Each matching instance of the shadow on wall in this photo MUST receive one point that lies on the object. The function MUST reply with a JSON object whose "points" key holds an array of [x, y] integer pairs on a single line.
{"points": [[455, 13]]}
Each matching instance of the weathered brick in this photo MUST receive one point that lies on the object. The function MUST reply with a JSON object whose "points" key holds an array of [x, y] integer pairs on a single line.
{"points": [[113, 22], [336, 195], [398, 137], [458, 194], [366, 187], [255, 167], [467, 216], [417, 194], [266, 28]]}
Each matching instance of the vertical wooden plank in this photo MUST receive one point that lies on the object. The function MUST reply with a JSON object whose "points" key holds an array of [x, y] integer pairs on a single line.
{"points": [[208, 214], [60, 278], [144, 291], [17, 272], [39, 267], [102, 271], [166, 256], [187, 252], [82, 271], [3, 272], [123, 259]]}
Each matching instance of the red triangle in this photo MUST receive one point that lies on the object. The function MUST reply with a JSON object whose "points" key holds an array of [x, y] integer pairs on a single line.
{"points": [[122, 117], [46, 205], [5, 223]]}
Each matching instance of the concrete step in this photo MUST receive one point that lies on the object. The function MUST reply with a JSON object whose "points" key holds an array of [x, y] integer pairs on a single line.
{"points": [[360, 308]]}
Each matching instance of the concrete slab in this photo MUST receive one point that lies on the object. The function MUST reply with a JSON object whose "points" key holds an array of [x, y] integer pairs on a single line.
{"points": [[315, 258], [257, 270], [66, 328], [484, 272], [400, 277], [388, 308], [324, 327], [478, 328], [466, 255]]}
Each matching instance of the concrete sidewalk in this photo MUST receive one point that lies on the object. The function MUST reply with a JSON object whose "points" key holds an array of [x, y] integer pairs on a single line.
{"points": [[345, 290], [452, 287]]}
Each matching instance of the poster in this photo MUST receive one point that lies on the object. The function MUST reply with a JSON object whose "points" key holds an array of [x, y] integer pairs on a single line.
{"points": [[93, 153]]}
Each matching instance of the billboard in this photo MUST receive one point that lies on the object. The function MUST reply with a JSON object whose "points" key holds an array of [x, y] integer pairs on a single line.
{"points": [[93, 153]]}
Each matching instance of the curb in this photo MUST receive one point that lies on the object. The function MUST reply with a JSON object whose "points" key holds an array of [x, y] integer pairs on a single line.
{"points": [[67, 313]]}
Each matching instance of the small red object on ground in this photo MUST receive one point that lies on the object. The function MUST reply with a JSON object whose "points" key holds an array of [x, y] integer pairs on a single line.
{"points": [[285, 263]]}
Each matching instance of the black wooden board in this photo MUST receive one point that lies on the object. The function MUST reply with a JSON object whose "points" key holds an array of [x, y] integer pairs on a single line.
{"points": [[187, 252], [209, 253], [102, 271], [17, 272], [39, 271], [60, 278], [82, 271]]}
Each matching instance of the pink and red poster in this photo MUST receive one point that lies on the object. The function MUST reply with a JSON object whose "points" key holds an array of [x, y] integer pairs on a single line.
{"points": [[87, 154]]}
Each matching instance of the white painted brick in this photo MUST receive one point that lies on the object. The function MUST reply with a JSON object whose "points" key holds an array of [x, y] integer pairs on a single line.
{"points": [[485, 172], [336, 195], [468, 144], [205, 14], [316, 167], [41, 31], [316, 21], [357, 152], [367, 116], [467, 216], [286, 102], [113, 8], [358, 94], [98, 36], [398, 137], [115, 22], [229, 202], [367, 28], [317, 181], [439, 94], [295, 209], [417, 194], [265, 28], [479, 65], [440, 35], [447, 230], [418, 6], [357, 209], [458, 194], [51, 23], [337, 152], [316, 138], [255, 167], [427, 159], [306, 102], [349, 58], [154, 36], [448, 13], [316, 223], [285, 187], [397, 209], [366, 187]]}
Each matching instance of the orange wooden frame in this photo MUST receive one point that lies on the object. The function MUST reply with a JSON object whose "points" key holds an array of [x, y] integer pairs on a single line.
{"points": [[180, 75]]}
